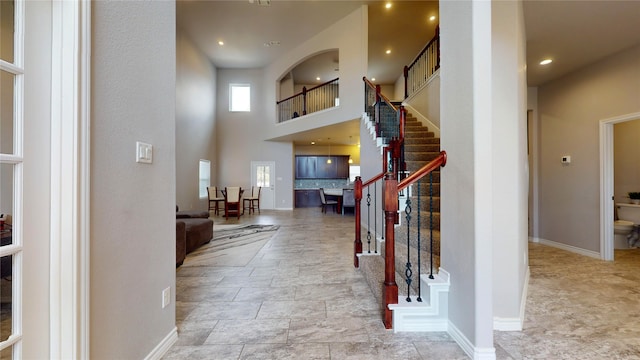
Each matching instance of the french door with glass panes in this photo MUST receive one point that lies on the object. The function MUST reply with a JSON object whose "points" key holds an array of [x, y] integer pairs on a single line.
{"points": [[11, 162]]}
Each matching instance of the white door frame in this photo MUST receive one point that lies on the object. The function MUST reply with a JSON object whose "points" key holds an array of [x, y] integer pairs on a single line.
{"points": [[70, 181], [272, 166], [606, 182]]}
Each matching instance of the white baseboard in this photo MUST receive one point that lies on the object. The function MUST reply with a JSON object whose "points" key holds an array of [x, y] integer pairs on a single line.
{"points": [[466, 345], [161, 349], [514, 324], [507, 324], [570, 248]]}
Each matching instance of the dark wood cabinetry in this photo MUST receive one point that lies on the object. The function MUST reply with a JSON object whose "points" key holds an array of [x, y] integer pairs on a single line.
{"points": [[306, 167], [307, 198], [317, 167]]}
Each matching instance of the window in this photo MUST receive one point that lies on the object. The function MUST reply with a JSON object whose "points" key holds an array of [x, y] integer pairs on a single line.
{"points": [[239, 97], [204, 178], [11, 167], [262, 176], [354, 170]]}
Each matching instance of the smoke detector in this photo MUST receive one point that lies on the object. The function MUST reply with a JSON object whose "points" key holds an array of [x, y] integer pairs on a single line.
{"points": [[260, 2]]}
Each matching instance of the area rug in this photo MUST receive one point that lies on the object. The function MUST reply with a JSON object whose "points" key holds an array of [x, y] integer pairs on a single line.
{"points": [[232, 246]]}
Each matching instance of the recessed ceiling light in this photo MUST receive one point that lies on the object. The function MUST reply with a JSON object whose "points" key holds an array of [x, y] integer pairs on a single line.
{"points": [[313, 143], [546, 62], [388, 51], [432, 18], [220, 42], [318, 78], [373, 79], [388, 5]]}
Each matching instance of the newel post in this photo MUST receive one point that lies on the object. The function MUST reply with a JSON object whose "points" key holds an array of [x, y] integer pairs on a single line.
{"points": [[357, 244], [406, 79], [390, 291], [304, 100], [377, 115]]}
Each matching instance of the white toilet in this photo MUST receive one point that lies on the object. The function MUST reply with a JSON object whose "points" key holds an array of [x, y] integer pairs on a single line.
{"points": [[628, 215]]}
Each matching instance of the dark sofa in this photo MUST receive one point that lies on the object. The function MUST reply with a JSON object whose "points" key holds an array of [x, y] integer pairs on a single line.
{"points": [[197, 229]]}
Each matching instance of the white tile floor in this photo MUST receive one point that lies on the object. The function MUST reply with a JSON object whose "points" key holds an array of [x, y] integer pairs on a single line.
{"points": [[298, 297]]}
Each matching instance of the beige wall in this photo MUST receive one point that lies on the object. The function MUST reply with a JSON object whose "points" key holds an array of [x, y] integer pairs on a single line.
{"points": [[240, 138], [510, 176], [466, 189], [195, 121], [427, 102], [351, 150], [626, 165], [349, 36], [483, 224], [570, 109], [132, 205]]}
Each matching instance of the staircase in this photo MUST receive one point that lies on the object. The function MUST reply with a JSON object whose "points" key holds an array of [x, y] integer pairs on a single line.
{"points": [[430, 314]]}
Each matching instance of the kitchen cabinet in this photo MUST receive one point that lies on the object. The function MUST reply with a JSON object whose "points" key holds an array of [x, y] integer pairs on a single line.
{"points": [[316, 167], [306, 167], [342, 167], [307, 198]]}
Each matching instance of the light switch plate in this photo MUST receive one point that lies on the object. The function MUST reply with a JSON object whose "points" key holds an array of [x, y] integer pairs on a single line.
{"points": [[166, 297], [144, 152]]}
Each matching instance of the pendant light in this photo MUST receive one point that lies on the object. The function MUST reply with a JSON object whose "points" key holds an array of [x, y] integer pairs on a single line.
{"points": [[329, 158]]}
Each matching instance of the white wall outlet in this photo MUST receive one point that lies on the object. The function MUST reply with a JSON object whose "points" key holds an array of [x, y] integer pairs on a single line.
{"points": [[166, 297], [144, 152], [566, 159]]}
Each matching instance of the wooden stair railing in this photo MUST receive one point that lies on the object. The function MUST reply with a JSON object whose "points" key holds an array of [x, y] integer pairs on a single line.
{"points": [[425, 64], [391, 189]]}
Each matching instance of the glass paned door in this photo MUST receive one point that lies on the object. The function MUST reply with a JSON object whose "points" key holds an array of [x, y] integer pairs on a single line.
{"points": [[262, 174], [11, 161]]}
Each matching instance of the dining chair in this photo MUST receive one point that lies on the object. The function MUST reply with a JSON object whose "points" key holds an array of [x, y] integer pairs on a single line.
{"points": [[232, 200], [214, 199], [348, 200], [326, 203], [253, 199]]}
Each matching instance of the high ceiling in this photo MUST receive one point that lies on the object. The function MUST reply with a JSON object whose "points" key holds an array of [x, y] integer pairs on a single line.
{"points": [[572, 33]]}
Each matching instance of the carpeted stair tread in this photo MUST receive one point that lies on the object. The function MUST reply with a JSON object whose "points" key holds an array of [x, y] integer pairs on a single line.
{"points": [[425, 157], [421, 140], [421, 147]]}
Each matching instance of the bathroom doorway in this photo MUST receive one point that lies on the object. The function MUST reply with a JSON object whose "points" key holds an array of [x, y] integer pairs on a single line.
{"points": [[607, 186]]}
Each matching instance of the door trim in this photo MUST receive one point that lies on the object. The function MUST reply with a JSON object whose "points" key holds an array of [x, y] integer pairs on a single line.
{"points": [[606, 182], [272, 165], [70, 180]]}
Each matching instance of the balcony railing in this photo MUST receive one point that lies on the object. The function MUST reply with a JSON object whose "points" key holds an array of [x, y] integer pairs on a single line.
{"points": [[321, 97], [423, 67]]}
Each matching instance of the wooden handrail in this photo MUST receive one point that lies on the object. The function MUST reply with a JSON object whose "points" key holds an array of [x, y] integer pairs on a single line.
{"points": [[373, 179], [435, 37], [384, 98], [439, 161], [305, 90]]}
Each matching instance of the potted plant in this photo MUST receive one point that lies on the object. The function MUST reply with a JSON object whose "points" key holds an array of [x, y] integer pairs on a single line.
{"points": [[634, 196]]}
